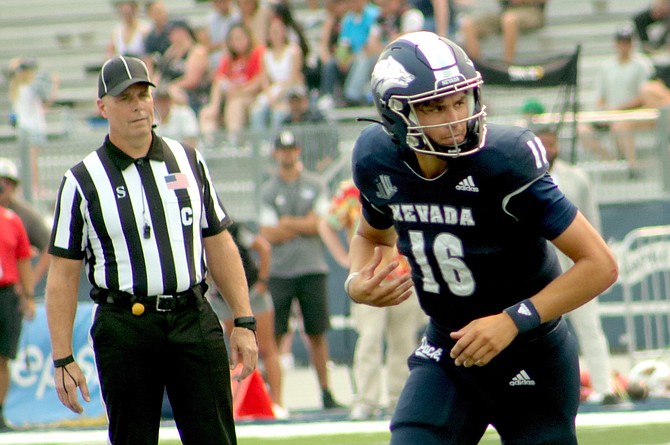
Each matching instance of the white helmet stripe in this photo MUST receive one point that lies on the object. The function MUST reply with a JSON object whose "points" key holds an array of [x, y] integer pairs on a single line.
{"points": [[440, 58]]}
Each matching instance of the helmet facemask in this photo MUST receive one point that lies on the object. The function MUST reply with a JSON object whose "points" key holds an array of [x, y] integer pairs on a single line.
{"points": [[419, 141]]}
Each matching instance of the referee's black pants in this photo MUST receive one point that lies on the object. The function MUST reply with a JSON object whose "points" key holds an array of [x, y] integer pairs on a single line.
{"points": [[138, 356]]}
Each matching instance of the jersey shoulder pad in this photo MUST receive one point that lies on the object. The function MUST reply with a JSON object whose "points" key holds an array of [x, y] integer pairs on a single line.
{"points": [[513, 156]]}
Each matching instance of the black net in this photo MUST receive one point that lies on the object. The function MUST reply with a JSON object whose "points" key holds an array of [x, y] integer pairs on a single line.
{"points": [[544, 90]]}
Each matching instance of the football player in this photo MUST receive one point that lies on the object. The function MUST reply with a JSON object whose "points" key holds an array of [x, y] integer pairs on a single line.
{"points": [[472, 207]]}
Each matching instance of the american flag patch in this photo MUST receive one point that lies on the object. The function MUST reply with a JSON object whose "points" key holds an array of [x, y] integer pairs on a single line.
{"points": [[176, 181]]}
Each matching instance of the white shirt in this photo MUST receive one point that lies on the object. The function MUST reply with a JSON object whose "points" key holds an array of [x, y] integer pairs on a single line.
{"points": [[182, 124]]}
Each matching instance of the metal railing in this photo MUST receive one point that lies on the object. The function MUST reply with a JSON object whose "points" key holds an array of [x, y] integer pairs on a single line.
{"points": [[239, 165], [644, 264]]}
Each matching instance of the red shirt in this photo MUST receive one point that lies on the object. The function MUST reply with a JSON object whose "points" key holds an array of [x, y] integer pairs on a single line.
{"points": [[241, 69], [14, 246]]}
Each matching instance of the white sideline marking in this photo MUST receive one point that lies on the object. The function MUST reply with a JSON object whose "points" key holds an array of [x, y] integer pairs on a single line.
{"points": [[309, 429]]}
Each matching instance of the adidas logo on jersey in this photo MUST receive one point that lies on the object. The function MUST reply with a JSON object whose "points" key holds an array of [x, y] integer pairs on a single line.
{"points": [[522, 379], [467, 185]]}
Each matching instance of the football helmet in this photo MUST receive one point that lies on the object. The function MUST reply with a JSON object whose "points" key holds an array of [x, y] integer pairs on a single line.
{"points": [[422, 66]]}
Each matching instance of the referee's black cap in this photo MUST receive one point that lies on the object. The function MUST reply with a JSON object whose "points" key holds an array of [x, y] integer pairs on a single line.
{"points": [[120, 72]]}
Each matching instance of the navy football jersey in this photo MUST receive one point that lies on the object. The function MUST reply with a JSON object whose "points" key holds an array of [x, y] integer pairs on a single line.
{"points": [[476, 236]]}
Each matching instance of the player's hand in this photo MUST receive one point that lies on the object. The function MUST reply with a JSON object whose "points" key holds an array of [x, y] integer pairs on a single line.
{"points": [[67, 379], [482, 339], [244, 350], [376, 288]]}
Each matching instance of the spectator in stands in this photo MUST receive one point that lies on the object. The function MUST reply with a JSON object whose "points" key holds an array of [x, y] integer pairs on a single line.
{"points": [[16, 296], [236, 83], [439, 15], [513, 17], [281, 70], [34, 223], [256, 16], [173, 120], [256, 253], [31, 92], [396, 17], [585, 319], [330, 30], [317, 137], [300, 108], [184, 67], [157, 40], [310, 70], [292, 201], [218, 22], [619, 88], [352, 62], [129, 33], [376, 326], [652, 24]]}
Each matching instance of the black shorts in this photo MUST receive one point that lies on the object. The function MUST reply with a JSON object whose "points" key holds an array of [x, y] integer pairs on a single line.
{"points": [[311, 291], [11, 320], [138, 357], [529, 393]]}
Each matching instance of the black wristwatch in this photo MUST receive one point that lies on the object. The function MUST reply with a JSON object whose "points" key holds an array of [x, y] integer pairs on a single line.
{"points": [[246, 322]]}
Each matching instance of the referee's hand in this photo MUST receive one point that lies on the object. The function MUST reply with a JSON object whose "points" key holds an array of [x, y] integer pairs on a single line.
{"points": [[243, 350], [67, 379]]}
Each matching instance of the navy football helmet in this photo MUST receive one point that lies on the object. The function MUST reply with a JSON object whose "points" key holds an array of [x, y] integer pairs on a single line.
{"points": [[422, 66]]}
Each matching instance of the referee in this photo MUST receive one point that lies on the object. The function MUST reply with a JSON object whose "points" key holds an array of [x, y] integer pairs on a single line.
{"points": [[142, 213]]}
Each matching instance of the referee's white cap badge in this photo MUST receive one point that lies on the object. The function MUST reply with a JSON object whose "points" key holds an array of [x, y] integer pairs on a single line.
{"points": [[120, 72]]}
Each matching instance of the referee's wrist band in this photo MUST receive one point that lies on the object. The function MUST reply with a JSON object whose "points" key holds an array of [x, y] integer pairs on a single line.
{"points": [[347, 282], [245, 322], [63, 362], [524, 315]]}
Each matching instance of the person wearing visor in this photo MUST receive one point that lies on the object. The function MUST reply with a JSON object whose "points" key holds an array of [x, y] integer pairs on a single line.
{"points": [[472, 207]]}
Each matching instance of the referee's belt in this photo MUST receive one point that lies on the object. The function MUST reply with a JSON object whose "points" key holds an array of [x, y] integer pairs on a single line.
{"points": [[155, 303]]}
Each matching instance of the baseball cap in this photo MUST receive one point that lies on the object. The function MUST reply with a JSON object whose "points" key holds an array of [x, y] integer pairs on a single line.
{"points": [[8, 170], [285, 139], [26, 64], [624, 32], [532, 106], [120, 72]]}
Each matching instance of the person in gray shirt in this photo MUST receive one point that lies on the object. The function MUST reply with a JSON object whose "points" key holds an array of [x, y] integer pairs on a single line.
{"points": [[292, 201]]}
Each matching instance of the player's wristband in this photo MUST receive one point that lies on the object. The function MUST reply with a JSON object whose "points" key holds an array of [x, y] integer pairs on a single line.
{"points": [[63, 362], [524, 315], [348, 281]]}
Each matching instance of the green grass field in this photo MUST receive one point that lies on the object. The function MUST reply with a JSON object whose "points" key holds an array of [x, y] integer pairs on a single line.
{"points": [[649, 434], [653, 434]]}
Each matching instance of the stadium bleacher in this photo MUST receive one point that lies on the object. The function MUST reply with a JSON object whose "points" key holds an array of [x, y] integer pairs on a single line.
{"points": [[69, 37]]}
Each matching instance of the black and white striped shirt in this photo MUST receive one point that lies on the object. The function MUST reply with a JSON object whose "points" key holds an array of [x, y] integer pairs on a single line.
{"points": [[138, 224]]}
